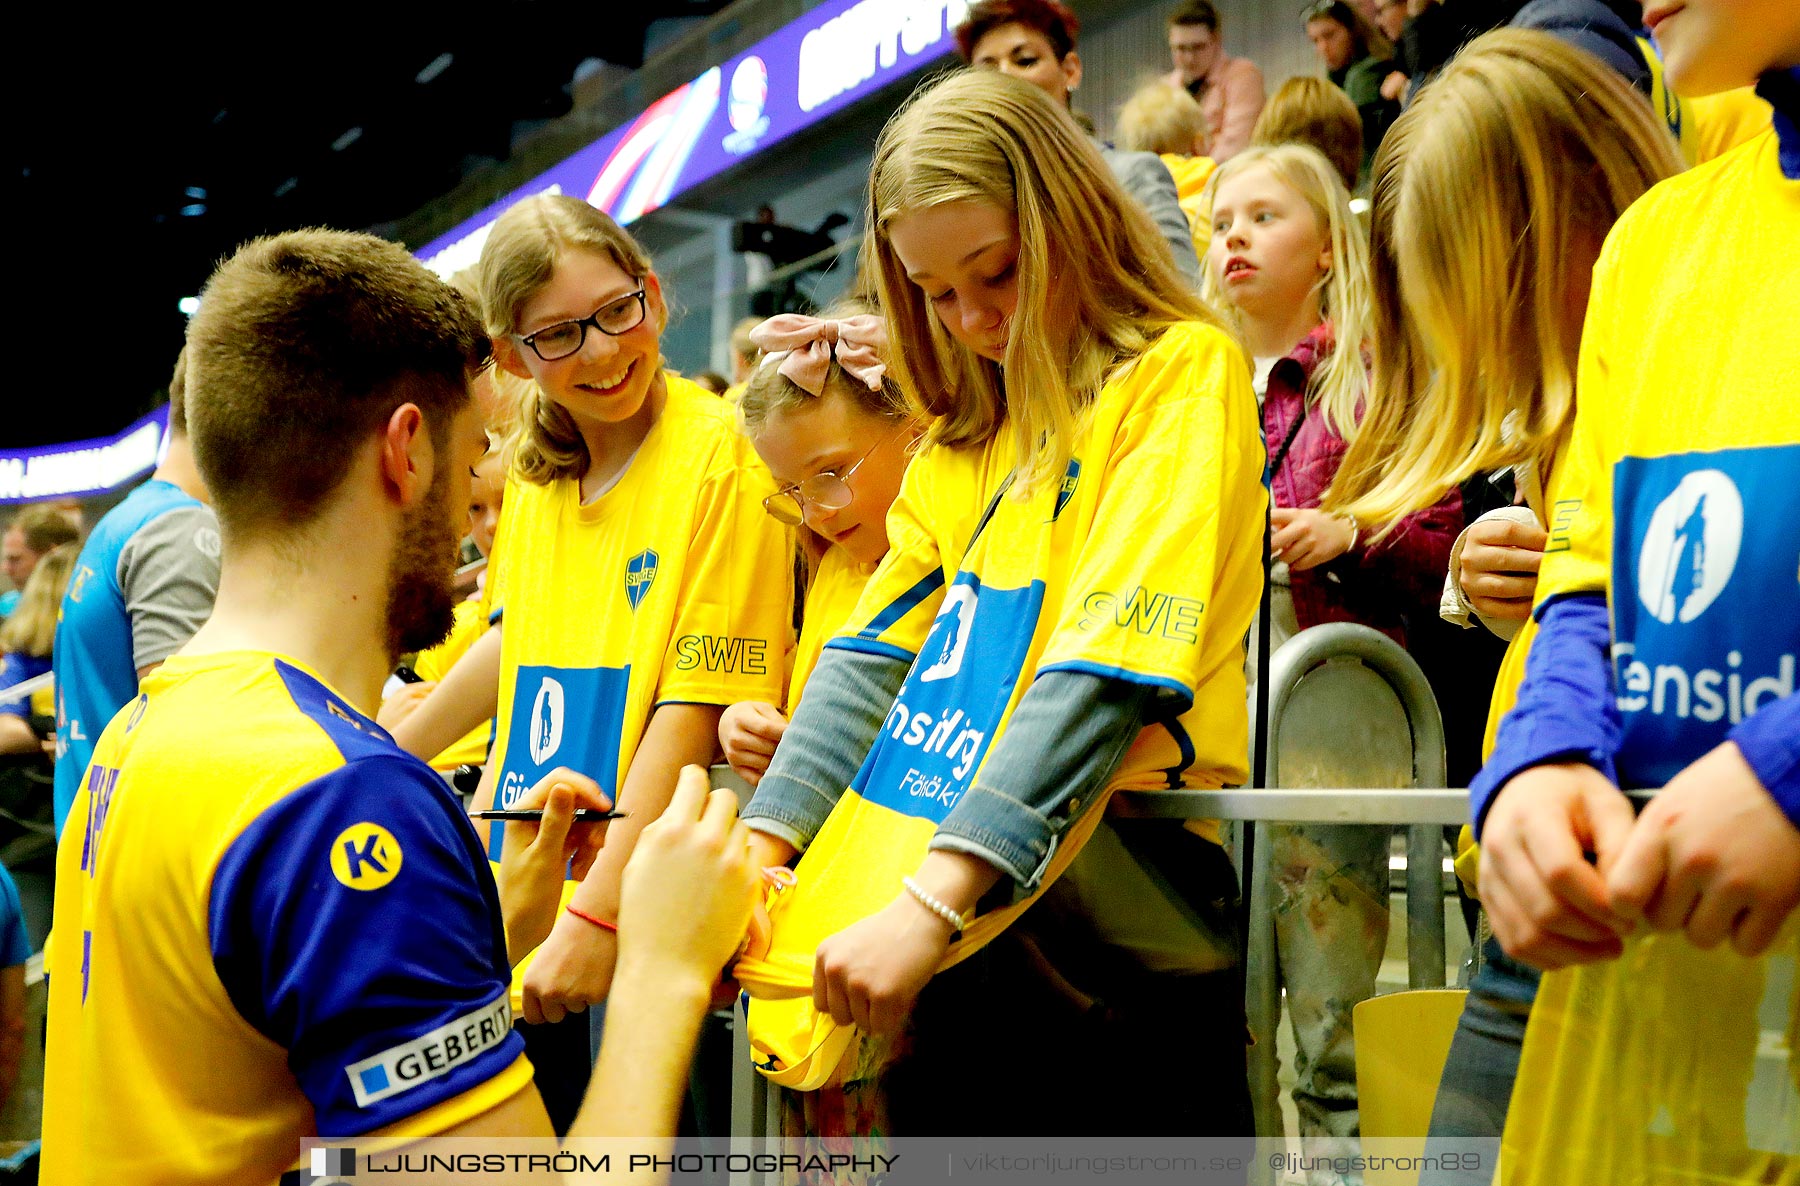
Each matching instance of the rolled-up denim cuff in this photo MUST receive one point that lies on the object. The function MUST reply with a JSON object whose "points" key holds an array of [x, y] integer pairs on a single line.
{"points": [[781, 829], [1007, 834], [788, 803]]}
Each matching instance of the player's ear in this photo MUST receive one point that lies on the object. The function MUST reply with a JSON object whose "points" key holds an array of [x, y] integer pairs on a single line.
{"points": [[405, 454]]}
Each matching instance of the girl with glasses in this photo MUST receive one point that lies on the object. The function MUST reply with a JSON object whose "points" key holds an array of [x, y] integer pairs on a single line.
{"points": [[835, 433], [644, 586], [1074, 562]]}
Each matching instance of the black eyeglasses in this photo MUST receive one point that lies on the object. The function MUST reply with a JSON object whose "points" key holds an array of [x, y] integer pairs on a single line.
{"points": [[616, 317], [827, 490]]}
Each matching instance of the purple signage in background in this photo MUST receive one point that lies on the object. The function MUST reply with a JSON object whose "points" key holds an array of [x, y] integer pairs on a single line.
{"points": [[826, 60], [84, 467]]}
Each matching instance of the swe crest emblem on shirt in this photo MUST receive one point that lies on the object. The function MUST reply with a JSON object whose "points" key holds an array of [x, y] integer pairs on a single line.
{"points": [[640, 574], [1071, 479]]}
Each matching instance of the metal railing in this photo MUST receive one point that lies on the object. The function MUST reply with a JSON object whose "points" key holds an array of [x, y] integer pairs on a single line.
{"points": [[1385, 728]]}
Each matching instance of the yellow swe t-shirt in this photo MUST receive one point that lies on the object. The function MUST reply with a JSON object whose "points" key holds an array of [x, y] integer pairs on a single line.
{"points": [[1103, 572], [435, 664], [673, 586], [1677, 498], [830, 600]]}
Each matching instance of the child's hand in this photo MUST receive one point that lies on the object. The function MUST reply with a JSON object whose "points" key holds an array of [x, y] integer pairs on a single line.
{"points": [[1307, 538], [535, 855], [870, 973], [402, 704], [749, 731], [1549, 906], [1500, 560], [1712, 856]]}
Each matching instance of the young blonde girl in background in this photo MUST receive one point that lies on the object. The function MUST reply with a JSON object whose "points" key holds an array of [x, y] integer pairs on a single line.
{"points": [[644, 586], [1073, 563], [1494, 193], [26, 638], [1289, 261]]}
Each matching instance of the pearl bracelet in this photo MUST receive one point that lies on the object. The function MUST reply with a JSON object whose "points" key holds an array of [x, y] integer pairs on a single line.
{"points": [[924, 898]]}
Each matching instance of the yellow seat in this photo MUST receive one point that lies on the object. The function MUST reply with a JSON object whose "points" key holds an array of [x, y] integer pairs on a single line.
{"points": [[1402, 1039]]}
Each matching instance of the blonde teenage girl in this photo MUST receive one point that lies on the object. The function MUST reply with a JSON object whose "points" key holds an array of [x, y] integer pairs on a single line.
{"points": [[1493, 194], [644, 586], [1073, 565]]}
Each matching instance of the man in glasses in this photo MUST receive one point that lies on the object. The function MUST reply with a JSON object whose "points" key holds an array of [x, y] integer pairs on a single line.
{"points": [[1230, 90]]}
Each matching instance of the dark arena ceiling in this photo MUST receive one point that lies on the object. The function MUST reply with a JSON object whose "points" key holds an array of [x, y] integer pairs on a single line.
{"points": [[148, 142]]}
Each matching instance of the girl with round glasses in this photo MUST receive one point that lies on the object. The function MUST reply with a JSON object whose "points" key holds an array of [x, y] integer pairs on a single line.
{"points": [[644, 586], [836, 434]]}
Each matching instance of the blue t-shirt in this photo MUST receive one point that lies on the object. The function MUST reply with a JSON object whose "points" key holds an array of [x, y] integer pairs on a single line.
{"points": [[15, 944], [143, 584]]}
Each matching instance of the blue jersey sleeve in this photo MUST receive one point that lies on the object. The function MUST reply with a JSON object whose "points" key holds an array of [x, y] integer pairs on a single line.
{"points": [[355, 924], [1770, 741], [1566, 709]]}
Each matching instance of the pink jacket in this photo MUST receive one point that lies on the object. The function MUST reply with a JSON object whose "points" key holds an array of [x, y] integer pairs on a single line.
{"points": [[1377, 585], [1232, 99]]}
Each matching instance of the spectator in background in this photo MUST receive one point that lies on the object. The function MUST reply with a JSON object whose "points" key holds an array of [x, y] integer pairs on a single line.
{"points": [[144, 583], [25, 644], [743, 357], [15, 949], [1229, 90], [713, 381], [1391, 19], [1167, 121], [1357, 58], [32, 533], [1307, 110], [1034, 40]]}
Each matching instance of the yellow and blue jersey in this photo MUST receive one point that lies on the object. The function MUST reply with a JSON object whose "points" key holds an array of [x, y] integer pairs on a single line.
{"points": [[240, 958], [674, 586], [1676, 494], [984, 589], [1674, 520]]}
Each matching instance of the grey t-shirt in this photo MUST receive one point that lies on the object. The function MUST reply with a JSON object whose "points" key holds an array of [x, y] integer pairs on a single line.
{"points": [[169, 572]]}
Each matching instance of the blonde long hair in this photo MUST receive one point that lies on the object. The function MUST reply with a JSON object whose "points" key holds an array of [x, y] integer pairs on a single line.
{"points": [[1340, 385], [1493, 193], [981, 136], [31, 628], [517, 260]]}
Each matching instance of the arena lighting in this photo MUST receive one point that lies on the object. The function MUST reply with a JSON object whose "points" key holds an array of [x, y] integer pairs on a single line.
{"points": [[196, 191], [433, 68], [193, 210], [347, 139], [837, 53], [189, 305]]}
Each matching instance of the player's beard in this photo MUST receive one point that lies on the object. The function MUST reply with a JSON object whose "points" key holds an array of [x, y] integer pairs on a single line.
{"points": [[421, 603]]}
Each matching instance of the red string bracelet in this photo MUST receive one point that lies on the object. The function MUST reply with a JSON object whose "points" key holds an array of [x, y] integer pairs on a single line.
{"points": [[586, 917]]}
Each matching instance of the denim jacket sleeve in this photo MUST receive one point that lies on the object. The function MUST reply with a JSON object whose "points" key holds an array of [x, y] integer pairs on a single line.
{"points": [[1064, 741], [835, 723]]}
